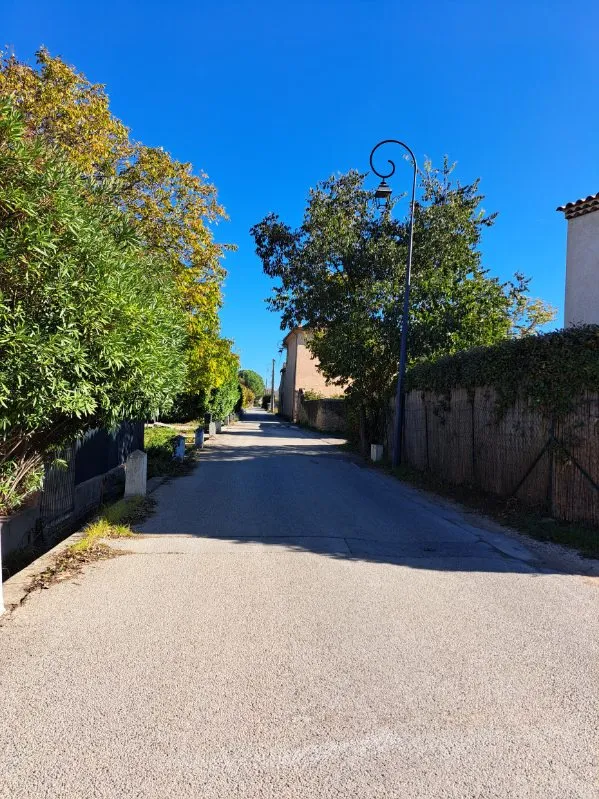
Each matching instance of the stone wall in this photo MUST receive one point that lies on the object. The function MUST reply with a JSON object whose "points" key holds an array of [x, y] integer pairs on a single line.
{"points": [[328, 415]]}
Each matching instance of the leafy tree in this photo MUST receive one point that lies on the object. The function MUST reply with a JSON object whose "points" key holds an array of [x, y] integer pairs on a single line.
{"points": [[253, 381], [170, 207], [91, 330], [341, 273]]}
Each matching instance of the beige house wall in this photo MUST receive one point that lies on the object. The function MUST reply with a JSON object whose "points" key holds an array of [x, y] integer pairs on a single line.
{"points": [[582, 270], [301, 372]]}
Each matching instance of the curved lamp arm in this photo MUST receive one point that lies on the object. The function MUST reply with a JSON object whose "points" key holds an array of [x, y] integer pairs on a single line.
{"points": [[385, 175]]}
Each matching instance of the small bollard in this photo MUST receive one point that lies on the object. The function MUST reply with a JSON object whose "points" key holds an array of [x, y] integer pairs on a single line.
{"points": [[212, 429], [219, 426], [136, 472], [199, 438], [179, 451], [376, 452]]}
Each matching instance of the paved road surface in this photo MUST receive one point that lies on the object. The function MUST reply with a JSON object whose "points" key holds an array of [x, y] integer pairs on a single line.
{"points": [[299, 626]]}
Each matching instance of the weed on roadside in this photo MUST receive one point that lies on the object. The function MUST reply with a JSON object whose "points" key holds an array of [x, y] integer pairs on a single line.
{"points": [[113, 522]]}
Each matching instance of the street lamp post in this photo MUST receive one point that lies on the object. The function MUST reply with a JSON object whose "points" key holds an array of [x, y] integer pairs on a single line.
{"points": [[383, 195]]}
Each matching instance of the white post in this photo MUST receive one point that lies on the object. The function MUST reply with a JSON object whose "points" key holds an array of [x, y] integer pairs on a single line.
{"points": [[376, 452], [136, 472], [179, 452]]}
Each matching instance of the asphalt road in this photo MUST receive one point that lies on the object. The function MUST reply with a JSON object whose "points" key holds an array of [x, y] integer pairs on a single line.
{"points": [[296, 625]]}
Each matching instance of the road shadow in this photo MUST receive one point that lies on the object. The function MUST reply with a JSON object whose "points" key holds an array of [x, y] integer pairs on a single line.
{"points": [[303, 494]]}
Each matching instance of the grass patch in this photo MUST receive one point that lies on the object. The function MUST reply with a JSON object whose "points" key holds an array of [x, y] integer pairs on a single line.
{"points": [[159, 443], [510, 512], [131, 510], [113, 522]]}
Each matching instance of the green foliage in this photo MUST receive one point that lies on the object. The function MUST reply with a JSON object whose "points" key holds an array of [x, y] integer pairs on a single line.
{"points": [[158, 444], [171, 209], [550, 370], [225, 398], [187, 407], [18, 482], [128, 510], [247, 396], [342, 271], [90, 327], [312, 395], [253, 381]]}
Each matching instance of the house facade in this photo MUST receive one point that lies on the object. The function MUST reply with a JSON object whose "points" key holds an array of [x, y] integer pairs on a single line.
{"points": [[300, 372], [582, 261]]}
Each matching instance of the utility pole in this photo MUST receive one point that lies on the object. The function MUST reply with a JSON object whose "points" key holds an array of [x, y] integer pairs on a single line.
{"points": [[272, 388]]}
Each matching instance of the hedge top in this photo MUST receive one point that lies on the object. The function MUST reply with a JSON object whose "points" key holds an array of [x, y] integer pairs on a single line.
{"points": [[551, 370]]}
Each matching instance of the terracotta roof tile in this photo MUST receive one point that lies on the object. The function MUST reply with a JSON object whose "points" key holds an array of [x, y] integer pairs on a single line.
{"points": [[583, 206]]}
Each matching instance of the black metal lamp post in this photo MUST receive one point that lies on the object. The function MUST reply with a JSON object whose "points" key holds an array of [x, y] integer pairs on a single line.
{"points": [[383, 195]]}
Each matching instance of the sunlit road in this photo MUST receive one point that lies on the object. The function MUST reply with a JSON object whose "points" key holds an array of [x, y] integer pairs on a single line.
{"points": [[296, 625]]}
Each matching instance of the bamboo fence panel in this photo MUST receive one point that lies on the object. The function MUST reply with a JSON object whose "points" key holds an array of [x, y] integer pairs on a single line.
{"points": [[450, 436], [576, 464], [520, 452], [415, 449]]}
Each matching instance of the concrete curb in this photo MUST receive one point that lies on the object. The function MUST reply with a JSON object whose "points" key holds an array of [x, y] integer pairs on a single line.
{"points": [[16, 588]]}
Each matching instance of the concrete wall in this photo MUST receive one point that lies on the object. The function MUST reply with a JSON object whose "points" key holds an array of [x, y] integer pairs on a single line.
{"points": [[287, 389], [328, 415], [582, 270]]}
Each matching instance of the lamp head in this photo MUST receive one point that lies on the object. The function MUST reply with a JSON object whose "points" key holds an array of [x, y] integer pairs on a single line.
{"points": [[383, 194]]}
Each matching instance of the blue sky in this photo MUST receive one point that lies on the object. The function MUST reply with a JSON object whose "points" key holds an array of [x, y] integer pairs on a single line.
{"points": [[269, 97]]}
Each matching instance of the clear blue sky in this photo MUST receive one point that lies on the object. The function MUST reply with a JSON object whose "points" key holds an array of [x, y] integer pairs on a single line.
{"points": [[269, 97]]}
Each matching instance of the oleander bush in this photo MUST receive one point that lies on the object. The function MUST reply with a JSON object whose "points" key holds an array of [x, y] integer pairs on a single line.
{"points": [[91, 331]]}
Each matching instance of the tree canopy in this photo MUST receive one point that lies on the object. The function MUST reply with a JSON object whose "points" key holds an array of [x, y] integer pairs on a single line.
{"points": [[253, 381], [341, 273]]}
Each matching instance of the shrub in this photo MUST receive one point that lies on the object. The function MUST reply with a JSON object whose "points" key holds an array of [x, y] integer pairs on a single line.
{"points": [[224, 399], [158, 444], [90, 333], [551, 370], [312, 395], [247, 396]]}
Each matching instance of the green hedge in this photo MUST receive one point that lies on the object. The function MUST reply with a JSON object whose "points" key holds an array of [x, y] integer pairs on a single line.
{"points": [[550, 370]]}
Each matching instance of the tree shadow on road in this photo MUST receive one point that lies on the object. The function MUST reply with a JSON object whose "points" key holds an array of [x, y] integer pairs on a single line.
{"points": [[309, 496]]}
